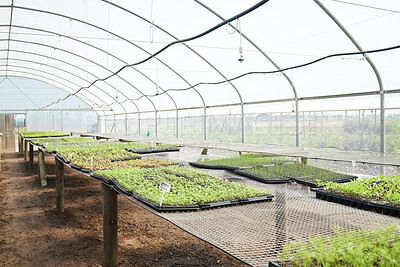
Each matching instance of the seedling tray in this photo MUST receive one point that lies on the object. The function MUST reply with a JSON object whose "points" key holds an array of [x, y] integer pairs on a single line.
{"points": [[311, 184], [264, 180], [151, 151], [358, 203], [101, 179], [151, 204], [213, 167]]}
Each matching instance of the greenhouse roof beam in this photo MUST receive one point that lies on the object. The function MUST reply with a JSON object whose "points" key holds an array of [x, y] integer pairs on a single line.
{"points": [[9, 30], [373, 66], [62, 70], [109, 32], [24, 74], [68, 52], [69, 64], [87, 44], [269, 59], [192, 50], [59, 77]]}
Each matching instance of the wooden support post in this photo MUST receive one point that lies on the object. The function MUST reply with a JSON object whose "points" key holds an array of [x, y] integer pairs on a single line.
{"points": [[19, 145], [59, 185], [205, 151], [42, 168], [304, 160], [110, 227], [25, 149], [30, 156], [1, 147]]}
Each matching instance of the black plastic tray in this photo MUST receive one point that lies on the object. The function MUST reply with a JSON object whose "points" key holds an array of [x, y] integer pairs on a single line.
{"points": [[273, 264], [152, 151], [101, 178], [178, 208], [213, 167], [268, 181], [121, 188], [311, 184], [358, 203]]}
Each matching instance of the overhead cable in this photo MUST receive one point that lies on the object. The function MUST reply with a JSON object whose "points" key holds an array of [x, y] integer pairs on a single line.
{"points": [[247, 11], [278, 70]]}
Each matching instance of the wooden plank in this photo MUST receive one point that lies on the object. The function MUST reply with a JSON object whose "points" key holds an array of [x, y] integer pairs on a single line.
{"points": [[42, 168], [110, 227], [30, 156], [59, 185]]}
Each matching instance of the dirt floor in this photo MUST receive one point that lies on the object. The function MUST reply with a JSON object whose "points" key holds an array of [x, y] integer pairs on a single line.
{"points": [[32, 233]]}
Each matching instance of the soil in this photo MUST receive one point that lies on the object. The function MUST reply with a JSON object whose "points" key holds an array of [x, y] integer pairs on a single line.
{"points": [[33, 233]]}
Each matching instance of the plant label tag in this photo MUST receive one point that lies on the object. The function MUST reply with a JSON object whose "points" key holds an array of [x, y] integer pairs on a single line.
{"points": [[70, 155], [164, 187]]}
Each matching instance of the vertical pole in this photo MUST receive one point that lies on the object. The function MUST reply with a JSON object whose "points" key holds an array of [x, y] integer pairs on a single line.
{"points": [[156, 124], [138, 123], [297, 123], [205, 123], [25, 149], [322, 117], [110, 227], [30, 156], [126, 124], [281, 128], [61, 121], [243, 126], [383, 130], [177, 123], [59, 185], [42, 168]]}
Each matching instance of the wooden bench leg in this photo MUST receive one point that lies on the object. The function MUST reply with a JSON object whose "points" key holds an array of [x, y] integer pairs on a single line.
{"points": [[110, 227]]}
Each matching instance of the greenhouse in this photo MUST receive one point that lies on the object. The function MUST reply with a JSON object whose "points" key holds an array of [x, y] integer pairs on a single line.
{"points": [[200, 133]]}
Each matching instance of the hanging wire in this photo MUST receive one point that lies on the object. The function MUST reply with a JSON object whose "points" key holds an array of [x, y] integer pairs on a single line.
{"points": [[157, 87], [241, 59], [152, 27]]}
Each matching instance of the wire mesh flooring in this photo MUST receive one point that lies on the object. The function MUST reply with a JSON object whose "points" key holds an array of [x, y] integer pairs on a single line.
{"points": [[255, 233]]}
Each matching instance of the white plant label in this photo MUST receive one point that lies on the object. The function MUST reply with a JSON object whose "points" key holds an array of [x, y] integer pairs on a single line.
{"points": [[70, 155], [164, 187]]}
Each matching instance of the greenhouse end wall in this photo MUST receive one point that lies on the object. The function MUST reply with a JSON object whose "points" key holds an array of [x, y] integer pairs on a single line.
{"points": [[64, 121]]}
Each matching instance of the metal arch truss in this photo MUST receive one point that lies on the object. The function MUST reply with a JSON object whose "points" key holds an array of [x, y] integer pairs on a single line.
{"points": [[126, 40], [34, 72], [372, 65], [62, 70], [272, 62]]}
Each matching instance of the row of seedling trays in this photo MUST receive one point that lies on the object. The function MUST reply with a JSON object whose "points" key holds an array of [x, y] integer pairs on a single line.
{"points": [[114, 164], [275, 170]]}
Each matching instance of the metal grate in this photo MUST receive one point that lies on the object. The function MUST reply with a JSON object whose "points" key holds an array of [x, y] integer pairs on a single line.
{"points": [[256, 233]]}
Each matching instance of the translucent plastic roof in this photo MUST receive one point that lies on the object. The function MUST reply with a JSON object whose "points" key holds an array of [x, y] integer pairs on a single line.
{"points": [[71, 44]]}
